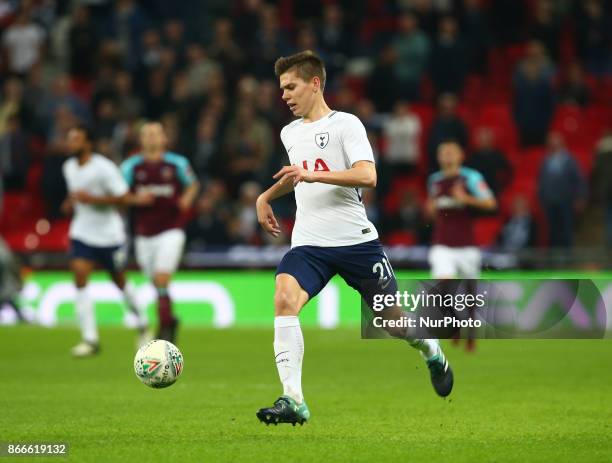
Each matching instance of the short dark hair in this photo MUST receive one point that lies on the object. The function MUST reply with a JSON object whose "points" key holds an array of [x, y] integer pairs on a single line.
{"points": [[307, 65], [451, 140], [90, 135]]}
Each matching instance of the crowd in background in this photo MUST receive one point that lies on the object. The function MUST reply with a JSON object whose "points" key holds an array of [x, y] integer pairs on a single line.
{"points": [[205, 69]]}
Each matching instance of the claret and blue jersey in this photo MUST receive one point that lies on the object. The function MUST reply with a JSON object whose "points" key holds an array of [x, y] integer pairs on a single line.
{"points": [[454, 222], [165, 180]]}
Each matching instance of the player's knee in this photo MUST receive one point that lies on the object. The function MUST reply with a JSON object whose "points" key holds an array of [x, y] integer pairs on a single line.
{"points": [[161, 280], [285, 303]]}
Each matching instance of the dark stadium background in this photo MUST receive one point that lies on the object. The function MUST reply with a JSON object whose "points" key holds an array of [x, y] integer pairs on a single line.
{"points": [[521, 69]]}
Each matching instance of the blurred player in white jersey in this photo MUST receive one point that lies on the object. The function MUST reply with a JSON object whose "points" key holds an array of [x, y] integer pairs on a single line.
{"points": [[455, 193], [97, 234], [160, 239], [331, 160]]}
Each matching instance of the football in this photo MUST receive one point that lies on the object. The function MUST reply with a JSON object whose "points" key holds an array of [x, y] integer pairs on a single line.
{"points": [[158, 363]]}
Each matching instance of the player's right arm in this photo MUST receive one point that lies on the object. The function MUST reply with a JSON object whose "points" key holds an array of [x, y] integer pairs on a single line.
{"points": [[430, 204], [67, 207], [265, 214]]}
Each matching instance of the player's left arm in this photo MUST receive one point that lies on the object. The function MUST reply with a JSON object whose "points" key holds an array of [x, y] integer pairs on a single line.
{"points": [[86, 198], [478, 194], [361, 175], [191, 185], [189, 195]]}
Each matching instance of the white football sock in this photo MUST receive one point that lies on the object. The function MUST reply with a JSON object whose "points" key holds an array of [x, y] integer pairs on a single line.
{"points": [[86, 316], [289, 352], [427, 347], [129, 296]]}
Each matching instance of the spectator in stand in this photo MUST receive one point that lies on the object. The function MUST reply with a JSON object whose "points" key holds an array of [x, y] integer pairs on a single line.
{"points": [[546, 28], [594, 35], [382, 84], [126, 139], [602, 180], [534, 97], [14, 155], [490, 162], [476, 31], [246, 214], [12, 103], [207, 147], [270, 43], [412, 50], [520, 230], [333, 34], [247, 22], [128, 103], [562, 191], [174, 38], [106, 120], [447, 125], [225, 51], [507, 20], [333, 38], [247, 148], [267, 103], [449, 58], [409, 216], [83, 44], [186, 107], [151, 55], [53, 182], [402, 132], [209, 227], [575, 90], [37, 98], [23, 44], [428, 14], [63, 96], [7, 10], [371, 120], [157, 97], [199, 69], [306, 39], [345, 100], [127, 24]]}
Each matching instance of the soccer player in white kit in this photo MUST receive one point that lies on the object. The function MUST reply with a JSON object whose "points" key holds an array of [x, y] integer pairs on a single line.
{"points": [[331, 160], [97, 235]]}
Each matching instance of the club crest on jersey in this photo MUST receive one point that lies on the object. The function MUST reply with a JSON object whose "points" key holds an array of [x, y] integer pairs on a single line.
{"points": [[141, 175], [321, 139], [166, 173]]}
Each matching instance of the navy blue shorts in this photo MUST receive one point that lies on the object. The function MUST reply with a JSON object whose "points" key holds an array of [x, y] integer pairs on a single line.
{"points": [[112, 258], [364, 267]]}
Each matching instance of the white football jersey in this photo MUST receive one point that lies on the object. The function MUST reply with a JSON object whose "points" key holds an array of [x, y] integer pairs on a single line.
{"points": [[96, 225], [328, 215]]}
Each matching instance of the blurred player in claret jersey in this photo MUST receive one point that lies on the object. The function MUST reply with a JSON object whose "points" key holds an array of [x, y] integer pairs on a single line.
{"points": [[454, 193], [331, 160], [159, 238], [97, 232]]}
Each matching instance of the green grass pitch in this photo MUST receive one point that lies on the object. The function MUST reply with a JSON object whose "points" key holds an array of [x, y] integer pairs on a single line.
{"points": [[514, 400]]}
